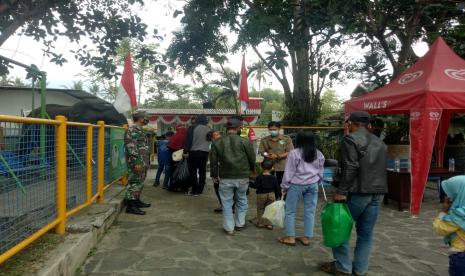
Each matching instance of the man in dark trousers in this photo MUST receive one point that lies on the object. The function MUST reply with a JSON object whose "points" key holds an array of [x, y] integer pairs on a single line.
{"points": [[362, 185], [198, 147]]}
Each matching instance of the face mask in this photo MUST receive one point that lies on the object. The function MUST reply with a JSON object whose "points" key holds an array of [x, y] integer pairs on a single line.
{"points": [[274, 133]]}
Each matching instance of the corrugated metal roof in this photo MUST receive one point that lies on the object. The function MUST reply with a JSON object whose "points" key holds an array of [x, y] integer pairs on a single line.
{"points": [[220, 112]]}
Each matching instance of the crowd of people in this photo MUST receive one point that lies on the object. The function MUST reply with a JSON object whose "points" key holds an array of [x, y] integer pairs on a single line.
{"points": [[289, 173]]}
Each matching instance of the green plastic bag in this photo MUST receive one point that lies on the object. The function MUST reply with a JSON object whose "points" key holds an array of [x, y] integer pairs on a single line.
{"points": [[337, 223]]}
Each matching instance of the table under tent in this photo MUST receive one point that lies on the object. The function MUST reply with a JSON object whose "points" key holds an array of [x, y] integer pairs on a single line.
{"points": [[430, 92]]}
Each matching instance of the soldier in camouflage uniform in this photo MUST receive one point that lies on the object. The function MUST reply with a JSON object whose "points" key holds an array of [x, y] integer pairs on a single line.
{"points": [[137, 149]]}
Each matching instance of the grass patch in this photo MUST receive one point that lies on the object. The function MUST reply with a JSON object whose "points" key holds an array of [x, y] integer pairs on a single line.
{"points": [[30, 259]]}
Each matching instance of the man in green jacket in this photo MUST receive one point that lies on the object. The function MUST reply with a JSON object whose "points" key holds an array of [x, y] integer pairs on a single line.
{"points": [[232, 160]]}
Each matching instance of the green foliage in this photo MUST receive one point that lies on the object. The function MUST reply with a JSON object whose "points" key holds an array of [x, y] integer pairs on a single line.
{"points": [[397, 130], [215, 95], [172, 104], [331, 104], [295, 30], [259, 72], [389, 29], [76, 85], [329, 142], [272, 100], [105, 23]]}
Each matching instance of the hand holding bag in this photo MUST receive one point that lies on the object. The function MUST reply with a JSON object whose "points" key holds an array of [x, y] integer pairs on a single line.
{"points": [[337, 223], [275, 213]]}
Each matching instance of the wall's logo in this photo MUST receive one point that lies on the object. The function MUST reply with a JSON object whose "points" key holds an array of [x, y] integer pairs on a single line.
{"points": [[376, 105], [458, 74], [434, 116], [409, 77], [415, 115]]}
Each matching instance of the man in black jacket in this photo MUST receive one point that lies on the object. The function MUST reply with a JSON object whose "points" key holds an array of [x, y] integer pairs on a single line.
{"points": [[362, 185]]}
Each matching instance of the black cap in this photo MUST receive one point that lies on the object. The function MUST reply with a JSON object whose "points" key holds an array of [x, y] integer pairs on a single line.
{"points": [[233, 123], [237, 117], [360, 117], [139, 114]]}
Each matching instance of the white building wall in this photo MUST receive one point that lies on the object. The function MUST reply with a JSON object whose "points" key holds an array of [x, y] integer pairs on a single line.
{"points": [[13, 101]]}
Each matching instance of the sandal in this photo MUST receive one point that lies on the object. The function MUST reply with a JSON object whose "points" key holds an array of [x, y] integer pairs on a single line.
{"points": [[229, 233], [330, 268], [303, 240], [261, 226], [269, 227], [285, 240]]}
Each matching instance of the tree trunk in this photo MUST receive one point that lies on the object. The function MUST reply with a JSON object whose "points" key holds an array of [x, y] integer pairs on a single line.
{"points": [[299, 111]]}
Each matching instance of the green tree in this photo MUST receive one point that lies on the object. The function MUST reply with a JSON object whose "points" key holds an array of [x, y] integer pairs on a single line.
{"points": [[229, 84], [271, 100], [214, 95], [103, 22], [145, 60], [269, 95], [94, 89], [390, 28], [76, 85], [259, 72], [18, 82], [331, 104], [5, 80], [101, 86], [297, 30]]}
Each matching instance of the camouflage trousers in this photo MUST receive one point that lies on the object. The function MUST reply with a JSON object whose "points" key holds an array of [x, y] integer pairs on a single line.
{"points": [[135, 185]]}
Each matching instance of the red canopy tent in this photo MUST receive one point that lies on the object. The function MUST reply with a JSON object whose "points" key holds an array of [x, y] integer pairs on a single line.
{"points": [[430, 92]]}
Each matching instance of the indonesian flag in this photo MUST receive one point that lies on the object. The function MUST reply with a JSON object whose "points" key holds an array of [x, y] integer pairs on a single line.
{"points": [[126, 95], [243, 87]]}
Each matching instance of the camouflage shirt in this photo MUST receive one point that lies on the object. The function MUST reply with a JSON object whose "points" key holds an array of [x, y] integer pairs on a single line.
{"points": [[137, 147]]}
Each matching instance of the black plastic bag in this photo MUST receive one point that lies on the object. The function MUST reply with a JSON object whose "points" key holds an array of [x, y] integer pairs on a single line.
{"points": [[181, 173]]}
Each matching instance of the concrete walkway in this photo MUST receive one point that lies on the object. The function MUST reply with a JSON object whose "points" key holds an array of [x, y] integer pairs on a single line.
{"points": [[182, 235]]}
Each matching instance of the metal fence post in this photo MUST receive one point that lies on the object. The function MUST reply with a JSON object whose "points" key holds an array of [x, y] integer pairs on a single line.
{"points": [[101, 160], [89, 164], [60, 144]]}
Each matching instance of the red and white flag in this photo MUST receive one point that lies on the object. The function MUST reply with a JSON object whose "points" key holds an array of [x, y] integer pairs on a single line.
{"points": [[243, 87], [126, 95]]}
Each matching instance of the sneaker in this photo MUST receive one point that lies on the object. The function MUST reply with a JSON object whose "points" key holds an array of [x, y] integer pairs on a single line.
{"points": [[156, 184]]}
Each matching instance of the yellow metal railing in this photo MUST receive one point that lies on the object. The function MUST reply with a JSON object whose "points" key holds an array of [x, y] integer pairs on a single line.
{"points": [[59, 154]]}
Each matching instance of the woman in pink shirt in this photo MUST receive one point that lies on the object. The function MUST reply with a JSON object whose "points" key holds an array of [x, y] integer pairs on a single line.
{"points": [[304, 170]]}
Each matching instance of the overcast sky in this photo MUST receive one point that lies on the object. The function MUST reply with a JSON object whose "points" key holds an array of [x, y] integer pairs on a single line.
{"points": [[157, 14]]}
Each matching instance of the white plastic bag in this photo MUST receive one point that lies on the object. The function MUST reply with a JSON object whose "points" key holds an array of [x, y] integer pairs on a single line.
{"points": [[275, 213]]}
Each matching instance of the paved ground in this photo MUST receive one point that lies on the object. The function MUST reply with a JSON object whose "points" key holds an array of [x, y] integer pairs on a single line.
{"points": [[181, 235]]}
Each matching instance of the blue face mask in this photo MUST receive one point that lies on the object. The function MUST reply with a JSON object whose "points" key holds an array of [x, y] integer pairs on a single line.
{"points": [[274, 133]]}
